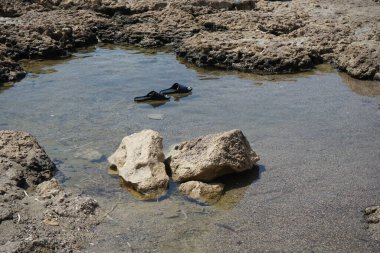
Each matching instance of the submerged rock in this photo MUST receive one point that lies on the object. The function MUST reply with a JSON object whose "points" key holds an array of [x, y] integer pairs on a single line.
{"points": [[48, 188], [139, 160], [89, 154], [208, 193], [373, 214], [372, 217], [211, 156]]}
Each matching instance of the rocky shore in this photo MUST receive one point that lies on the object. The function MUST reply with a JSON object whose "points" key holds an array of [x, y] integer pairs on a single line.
{"points": [[248, 35], [36, 214]]}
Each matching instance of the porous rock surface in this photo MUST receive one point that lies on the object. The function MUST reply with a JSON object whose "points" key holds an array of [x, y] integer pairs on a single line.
{"points": [[208, 157], [372, 214], [139, 161], [372, 217], [23, 160], [209, 193], [36, 214], [249, 35]]}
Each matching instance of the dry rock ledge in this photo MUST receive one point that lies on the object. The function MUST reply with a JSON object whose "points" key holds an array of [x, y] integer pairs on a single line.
{"points": [[140, 162], [36, 214], [249, 35]]}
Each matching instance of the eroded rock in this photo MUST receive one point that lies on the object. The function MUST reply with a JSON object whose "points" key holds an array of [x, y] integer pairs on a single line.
{"points": [[372, 217], [5, 213], [48, 188], [71, 205], [208, 193], [259, 36], [139, 160], [361, 59], [208, 157], [31, 204], [23, 160], [10, 71], [372, 214]]}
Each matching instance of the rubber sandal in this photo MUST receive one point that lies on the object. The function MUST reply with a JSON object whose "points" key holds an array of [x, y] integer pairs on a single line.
{"points": [[152, 96], [177, 88]]}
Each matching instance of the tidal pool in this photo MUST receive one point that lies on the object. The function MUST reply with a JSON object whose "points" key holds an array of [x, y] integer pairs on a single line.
{"points": [[318, 135]]}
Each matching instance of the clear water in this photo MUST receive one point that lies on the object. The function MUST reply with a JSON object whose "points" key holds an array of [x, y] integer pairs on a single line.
{"points": [[318, 135]]}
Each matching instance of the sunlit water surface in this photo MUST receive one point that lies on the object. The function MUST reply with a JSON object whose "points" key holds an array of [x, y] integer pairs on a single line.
{"points": [[318, 135]]}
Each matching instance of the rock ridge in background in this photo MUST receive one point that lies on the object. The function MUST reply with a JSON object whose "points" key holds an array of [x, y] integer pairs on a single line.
{"points": [[255, 36]]}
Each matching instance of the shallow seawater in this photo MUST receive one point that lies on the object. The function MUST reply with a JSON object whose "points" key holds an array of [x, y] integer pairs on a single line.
{"points": [[80, 109]]}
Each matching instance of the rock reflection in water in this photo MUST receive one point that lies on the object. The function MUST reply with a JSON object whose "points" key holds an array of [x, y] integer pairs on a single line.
{"points": [[236, 186], [234, 190], [361, 87], [5, 86], [43, 66], [155, 196]]}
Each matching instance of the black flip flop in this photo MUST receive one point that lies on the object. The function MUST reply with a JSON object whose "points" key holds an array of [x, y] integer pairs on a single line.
{"points": [[152, 96], [177, 88]]}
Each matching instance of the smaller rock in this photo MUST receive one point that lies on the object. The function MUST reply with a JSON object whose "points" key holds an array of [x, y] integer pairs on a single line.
{"points": [[371, 209], [156, 116], [68, 205], [112, 170], [48, 188], [51, 221], [373, 214], [208, 193], [89, 154], [5, 213], [139, 161]]}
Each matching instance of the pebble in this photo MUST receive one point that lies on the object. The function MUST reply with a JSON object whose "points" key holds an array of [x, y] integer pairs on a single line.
{"points": [[156, 116]]}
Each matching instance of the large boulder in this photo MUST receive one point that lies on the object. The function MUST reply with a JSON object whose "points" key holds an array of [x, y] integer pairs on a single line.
{"points": [[139, 161], [207, 193], [22, 160], [208, 157]]}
